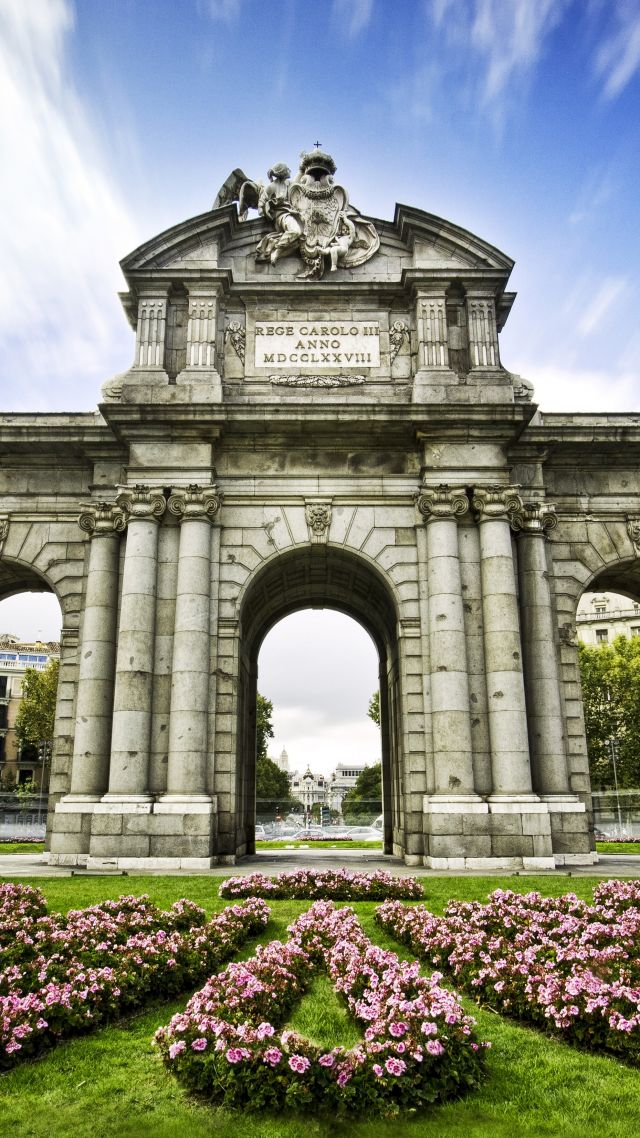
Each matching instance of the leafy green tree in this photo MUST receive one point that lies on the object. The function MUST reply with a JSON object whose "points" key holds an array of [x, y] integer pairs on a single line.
{"points": [[36, 714], [366, 796], [610, 677], [374, 708], [264, 726]]}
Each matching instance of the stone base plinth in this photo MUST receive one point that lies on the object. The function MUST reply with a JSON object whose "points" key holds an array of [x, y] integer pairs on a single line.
{"points": [[501, 832], [134, 832]]}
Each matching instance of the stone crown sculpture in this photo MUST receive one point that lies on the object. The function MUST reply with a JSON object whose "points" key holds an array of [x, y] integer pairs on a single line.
{"points": [[309, 214]]}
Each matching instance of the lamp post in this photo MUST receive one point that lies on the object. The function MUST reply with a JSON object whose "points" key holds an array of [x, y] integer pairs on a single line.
{"points": [[307, 781]]}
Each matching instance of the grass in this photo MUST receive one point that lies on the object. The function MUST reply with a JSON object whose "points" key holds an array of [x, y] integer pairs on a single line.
{"points": [[618, 847], [21, 847], [112, 1082]]}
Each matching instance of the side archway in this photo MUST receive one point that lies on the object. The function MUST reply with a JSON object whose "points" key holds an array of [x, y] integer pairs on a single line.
{"points": [[319, 576]]}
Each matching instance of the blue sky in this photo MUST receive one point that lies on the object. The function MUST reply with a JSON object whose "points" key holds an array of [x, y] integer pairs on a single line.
{"points": [[516, 119]]}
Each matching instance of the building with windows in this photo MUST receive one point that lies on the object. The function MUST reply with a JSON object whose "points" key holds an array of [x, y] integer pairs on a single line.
{"points": [[16, 656], [603, 616], [344, 778]]}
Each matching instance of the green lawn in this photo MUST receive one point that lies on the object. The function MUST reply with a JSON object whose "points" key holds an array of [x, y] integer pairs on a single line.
{"points": [[21, 847], [618, 847], [112, 1083]]}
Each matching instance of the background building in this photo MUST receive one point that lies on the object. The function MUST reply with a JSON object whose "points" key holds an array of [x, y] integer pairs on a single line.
{"points": [[603, 616], [15, 657]]}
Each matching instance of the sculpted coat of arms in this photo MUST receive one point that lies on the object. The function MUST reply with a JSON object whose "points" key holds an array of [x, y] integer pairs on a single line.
{"points": [[309, 214]]}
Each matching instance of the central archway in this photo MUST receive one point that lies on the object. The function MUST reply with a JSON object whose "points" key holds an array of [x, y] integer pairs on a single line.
{"points": [[319, 576]]}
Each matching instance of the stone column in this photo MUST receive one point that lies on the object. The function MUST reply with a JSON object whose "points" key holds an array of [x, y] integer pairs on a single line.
{"points": [[196, 508], [441, 507], [483, 332], [201, 341], [452, 831], [511, 771], [94, 701], [542, 683], [433, 373], [128, 777]]}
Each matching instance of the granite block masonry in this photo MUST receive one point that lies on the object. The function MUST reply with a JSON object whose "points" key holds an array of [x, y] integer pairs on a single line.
{"points": [[317, 414]]}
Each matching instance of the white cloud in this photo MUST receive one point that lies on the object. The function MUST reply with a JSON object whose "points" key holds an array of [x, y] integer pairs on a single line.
{"points": [[351, 16], [618, 56], [581, 390], [606, 295], [63, 222]]}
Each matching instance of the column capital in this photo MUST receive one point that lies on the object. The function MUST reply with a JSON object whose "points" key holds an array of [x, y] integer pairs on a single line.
{"points": [[195, 502], [141, 502], [101, 519], [534, 518], [442, 501], [493, 503]]}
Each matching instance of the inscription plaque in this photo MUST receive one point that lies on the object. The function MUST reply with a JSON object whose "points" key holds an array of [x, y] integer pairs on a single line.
{"points": [[324, 345]]}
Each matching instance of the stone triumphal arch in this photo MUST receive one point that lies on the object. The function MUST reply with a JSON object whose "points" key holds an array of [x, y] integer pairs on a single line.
{"points": [[317, 415]]}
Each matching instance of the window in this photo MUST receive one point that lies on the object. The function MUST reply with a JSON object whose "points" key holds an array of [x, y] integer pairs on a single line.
{"points": [[635, 629], [600, 609], [602, 635]]}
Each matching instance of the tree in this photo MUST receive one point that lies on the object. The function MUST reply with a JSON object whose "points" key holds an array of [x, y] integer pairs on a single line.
{"points": [[366, 796], [374, 708], [264, 726], [37, 710], [610, 677]]}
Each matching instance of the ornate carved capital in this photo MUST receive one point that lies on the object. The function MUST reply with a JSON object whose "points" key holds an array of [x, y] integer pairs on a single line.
{"points": [[442, 502], [144, 502], [496, 502], [534, 518], [4, 528], [195, 503], [633, 530], [102, 518], [317, 512]]}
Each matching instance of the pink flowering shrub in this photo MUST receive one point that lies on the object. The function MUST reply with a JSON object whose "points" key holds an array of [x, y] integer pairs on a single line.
{"points": [[312, 884], [418, 1046], [567, 966], [61, 975]]}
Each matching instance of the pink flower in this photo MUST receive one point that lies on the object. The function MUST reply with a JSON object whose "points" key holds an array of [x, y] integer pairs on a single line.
{"points": [[395, 1066], [434, 1047], [397, 1029], [299, 1064], [326, 1060], [199, 1045], [377, 1070], [177, 1048], [272, 1056]]}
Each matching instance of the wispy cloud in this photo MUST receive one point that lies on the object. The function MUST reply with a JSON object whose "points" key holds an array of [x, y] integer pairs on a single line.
{"points": [[351, 16], [222, 11], [597, 190], [63, 222], [618, 57], [506, 37], [594, 313]]}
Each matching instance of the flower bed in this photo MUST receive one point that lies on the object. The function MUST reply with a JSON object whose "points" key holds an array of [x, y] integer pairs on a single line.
{"points": [[567, 966], [336, 884], [61, 975], [418, 1045]]}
